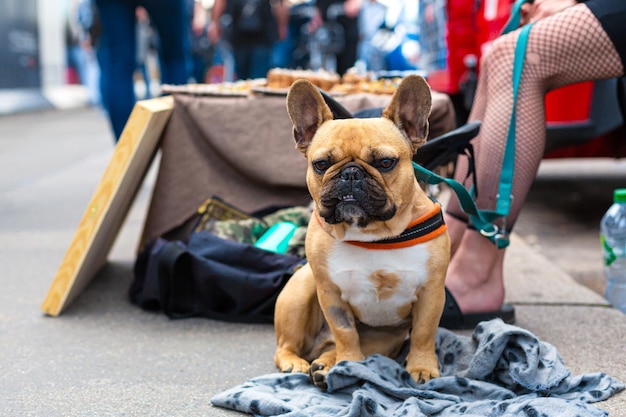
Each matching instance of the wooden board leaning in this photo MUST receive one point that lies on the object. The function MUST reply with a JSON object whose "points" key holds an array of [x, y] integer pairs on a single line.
{"points": [[110, 203]]}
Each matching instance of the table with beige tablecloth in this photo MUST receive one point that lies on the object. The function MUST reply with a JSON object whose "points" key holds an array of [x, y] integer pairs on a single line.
{"points": [[242, 150]]}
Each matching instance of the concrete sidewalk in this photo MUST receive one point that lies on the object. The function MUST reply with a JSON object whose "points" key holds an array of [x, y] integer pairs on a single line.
{"points": [[19, 100], [105, 357]]}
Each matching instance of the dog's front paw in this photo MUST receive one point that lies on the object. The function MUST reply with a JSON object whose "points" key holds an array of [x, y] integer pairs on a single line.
{"points": [[320, 368], [287, 361], [318, 373], [293, 366], [422, 375], [422, 365]]}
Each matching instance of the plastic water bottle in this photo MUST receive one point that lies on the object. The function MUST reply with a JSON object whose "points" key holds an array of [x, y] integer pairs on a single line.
{"points": [[613, 239]]}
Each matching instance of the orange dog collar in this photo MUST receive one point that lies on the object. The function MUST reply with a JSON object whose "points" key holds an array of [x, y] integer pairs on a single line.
{"points": [[420, 230]]}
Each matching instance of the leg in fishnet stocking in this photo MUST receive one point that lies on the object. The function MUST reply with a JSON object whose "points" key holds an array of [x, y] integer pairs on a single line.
{"points": [[566, 48]]}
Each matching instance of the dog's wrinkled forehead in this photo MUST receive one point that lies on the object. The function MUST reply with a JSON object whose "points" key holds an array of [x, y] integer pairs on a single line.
{"points": [[364, 139], [408, 110]]}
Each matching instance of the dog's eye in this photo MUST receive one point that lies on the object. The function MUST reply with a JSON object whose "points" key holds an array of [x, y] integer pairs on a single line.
{"points": [[386, 164], [321, 165]]}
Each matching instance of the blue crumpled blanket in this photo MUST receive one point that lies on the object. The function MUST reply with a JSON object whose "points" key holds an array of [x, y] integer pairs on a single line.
{"points": [[502, 370]]}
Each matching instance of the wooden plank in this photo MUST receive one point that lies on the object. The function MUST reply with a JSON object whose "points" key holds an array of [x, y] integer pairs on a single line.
{"points": [[110, 203]]}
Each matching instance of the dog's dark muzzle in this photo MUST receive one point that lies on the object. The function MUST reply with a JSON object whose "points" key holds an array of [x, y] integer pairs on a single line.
{"points": [[353, 196]]}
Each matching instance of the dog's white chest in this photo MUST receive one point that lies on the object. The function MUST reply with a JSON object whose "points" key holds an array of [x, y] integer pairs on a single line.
{"points": [[378, 284]]}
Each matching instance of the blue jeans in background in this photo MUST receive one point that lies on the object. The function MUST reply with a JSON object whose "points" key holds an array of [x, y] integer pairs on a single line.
{"points": [[252, 61], [117, 51]]}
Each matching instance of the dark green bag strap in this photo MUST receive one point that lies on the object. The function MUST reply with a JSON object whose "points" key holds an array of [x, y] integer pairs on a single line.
{"points": [[483, 220]]}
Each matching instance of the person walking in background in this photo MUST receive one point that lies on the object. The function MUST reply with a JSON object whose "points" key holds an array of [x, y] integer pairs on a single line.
{"points": [[117, 51], [569, 43], [371, 19], [145, 38], [348, 21], [252, 28], [83, 33], [202, 50]]}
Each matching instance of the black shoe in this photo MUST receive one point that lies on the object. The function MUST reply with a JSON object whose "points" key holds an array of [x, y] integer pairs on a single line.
{"points": [[453, 319]]}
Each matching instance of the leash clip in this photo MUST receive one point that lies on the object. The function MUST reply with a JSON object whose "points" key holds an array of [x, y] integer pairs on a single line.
{"points": [[489, 233], [492, 232], [501, 240]]}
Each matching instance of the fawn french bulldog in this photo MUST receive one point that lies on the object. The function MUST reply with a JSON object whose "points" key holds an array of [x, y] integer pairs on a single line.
{"points": [[377, 247]]}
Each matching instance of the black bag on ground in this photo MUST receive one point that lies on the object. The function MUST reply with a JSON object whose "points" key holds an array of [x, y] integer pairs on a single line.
{"points": [[211, 277]]}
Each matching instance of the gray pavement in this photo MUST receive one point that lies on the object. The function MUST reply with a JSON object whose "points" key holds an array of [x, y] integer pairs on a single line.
{"points": [[105, 357]]}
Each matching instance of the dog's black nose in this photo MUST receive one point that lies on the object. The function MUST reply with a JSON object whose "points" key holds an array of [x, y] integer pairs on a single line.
{"points": [[352, 172]]}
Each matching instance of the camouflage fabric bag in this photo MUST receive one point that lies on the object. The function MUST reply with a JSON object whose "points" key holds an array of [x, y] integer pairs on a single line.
{"points": [[249, 230], [218, 273]]}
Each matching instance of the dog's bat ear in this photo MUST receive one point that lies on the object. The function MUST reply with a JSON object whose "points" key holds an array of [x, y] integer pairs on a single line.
{"points": [[409, 109], [307, 111]]}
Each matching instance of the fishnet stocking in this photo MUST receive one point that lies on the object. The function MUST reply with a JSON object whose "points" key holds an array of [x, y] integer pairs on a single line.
{"points": [[565, 48]]}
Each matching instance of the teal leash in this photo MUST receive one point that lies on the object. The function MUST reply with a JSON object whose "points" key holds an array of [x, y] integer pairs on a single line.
{"points": [[484, 220], [515, 20]]}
